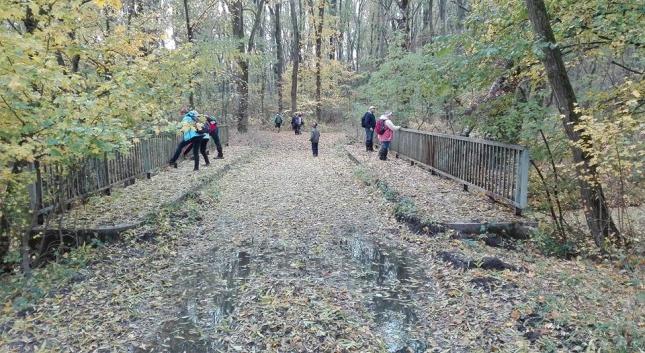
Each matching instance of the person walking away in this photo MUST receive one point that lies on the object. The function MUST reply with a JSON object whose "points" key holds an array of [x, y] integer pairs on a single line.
{"points": [[315, 137], [277, 120], [213, 132], [302, 123], [189, 136], [385, 131], [296, 122], [294, 117], [368, 122]]}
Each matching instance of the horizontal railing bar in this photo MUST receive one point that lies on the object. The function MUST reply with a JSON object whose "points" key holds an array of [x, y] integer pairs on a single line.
{"points": [[449, 176], [99, 174], [464, 138], [482, 164]]}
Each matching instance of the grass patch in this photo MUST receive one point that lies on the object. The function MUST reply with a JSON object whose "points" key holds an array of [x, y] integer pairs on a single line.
{"points": [[363, 175], [389, 193], [405, 209]]}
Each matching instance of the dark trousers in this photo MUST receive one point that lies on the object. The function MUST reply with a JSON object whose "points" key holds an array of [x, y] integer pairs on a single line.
{"points": [[385, 146], [369, 143], [202, 149], [314, 148], [218, 145], [369, 134], [182, 144]]}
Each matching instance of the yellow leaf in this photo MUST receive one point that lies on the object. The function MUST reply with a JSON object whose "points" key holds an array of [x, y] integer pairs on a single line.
{"points": [[636, 94], [116, 4]]}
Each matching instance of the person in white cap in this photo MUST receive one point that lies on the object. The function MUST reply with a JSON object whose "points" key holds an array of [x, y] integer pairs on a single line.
{"points": [[368, 122], [385, 131]]}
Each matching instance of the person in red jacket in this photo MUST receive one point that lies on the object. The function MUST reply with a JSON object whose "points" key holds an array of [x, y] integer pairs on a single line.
{"points": [[385, 131]]}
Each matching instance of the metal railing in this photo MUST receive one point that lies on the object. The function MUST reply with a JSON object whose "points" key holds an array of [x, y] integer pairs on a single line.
{"points": [[501, 170], [93, 175]]}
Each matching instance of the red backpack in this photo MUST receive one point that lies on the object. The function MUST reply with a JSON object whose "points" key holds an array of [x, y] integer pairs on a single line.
{"points": [[212, 127], [380, 127]]}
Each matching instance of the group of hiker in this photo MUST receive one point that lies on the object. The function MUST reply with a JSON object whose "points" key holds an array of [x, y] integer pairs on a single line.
{"points": [[297, 123], [384, 128], [197, 130]]}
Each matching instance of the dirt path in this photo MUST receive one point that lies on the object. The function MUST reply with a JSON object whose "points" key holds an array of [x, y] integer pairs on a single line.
{"points": [[286, 253]]}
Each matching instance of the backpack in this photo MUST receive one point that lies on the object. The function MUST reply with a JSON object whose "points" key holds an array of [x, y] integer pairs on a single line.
{"points": [[212, 127], [278, 119], [380, 127], [364, 121]]}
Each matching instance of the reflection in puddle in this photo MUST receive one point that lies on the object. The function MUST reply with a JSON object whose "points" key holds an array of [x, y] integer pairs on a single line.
{"points": [[394, 278], [209, 291], [215, 289]]}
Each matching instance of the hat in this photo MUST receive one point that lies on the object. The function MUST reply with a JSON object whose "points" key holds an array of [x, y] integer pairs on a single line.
{"points": [[371, 107]]}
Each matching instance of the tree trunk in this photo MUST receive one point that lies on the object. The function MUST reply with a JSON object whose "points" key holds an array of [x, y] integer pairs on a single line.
{"points": [[595, 207], [428, 25], [279, 55], [237, 10], [461, 13], [189, 34], [340, 44], [243, 75], [319, 29], [295, 56], [403, 23], [442, 15]]}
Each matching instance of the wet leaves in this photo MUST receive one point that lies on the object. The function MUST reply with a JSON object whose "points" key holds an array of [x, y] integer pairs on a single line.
{"points": [[287, 253]]}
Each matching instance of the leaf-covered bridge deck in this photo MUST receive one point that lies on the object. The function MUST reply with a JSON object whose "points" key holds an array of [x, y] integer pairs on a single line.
{"points": [[290, 253], [131, 204], [438, 199]]}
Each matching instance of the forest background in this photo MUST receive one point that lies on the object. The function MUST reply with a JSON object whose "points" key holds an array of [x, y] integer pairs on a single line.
{"points": [[88, 78]]}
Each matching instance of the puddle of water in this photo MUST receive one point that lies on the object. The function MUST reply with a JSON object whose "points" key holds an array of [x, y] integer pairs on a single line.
{"points": [[209, 294], [394, 279], [179, 336]]}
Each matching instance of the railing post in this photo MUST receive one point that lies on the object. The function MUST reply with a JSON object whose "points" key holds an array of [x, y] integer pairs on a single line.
{"points": [[521, 196], [106, 165], [146, 157]]}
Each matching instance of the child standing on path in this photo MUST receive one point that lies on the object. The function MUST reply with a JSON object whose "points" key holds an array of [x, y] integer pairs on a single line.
{"points": [[315, 137]]}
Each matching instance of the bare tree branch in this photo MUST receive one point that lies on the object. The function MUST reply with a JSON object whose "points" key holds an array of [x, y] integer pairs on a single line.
{"points": [[627, 68]]}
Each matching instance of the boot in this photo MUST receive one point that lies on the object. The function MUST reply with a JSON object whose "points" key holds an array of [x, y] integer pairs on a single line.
{"points": [[381, 155], [371, 147], [367, 146], [385, 155]]}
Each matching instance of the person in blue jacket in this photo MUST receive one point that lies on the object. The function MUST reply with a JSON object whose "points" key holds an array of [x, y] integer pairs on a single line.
{"points": [[190, 136]]}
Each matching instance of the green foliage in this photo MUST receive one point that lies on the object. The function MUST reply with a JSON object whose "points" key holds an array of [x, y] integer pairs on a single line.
{"points": [[19, 293], [548, 244], [405, 208], [488, 79], [82, 83], [389, 193]]}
